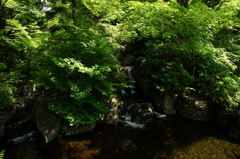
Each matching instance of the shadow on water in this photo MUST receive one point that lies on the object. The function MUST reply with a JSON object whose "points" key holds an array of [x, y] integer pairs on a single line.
{"points": [[170, 138], [174, 138]]}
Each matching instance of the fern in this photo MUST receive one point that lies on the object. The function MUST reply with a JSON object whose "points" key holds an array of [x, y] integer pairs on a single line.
{"points": [[2, 154]]}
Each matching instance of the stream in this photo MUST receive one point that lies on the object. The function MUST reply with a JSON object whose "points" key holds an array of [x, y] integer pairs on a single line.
{"points": [[170, 138]]}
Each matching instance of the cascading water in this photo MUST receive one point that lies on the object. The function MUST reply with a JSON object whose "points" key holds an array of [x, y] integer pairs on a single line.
{"points": [[136, 112], [18, 129], [129, 79], [21, 138]]}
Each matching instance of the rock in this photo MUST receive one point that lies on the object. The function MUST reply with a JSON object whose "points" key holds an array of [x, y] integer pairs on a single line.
{"points": [[141, 67], [168, 105], [140, 112], [72, 130], [238, 115], [163, 100], [235, 133], [29, 91], [230, 120], [46, 120], [129, 60], [112, 116], [5, 116], [196, 107]]}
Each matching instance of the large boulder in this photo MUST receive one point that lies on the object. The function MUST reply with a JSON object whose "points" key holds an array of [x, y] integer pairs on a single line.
{"points": [[28, 97], [168, 105], [235, 133], [163, 100], [72, 130], [46, 120], [129, 60], [5, 116], [112, 116], [197, 108], [140, 69]]}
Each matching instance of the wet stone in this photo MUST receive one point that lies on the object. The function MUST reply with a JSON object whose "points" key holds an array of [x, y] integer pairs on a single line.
{"points": [[140, 112], [47, 121]]}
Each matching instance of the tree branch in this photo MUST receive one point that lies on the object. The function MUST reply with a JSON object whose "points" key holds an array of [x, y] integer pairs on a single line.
{"points": [[1, 6]]}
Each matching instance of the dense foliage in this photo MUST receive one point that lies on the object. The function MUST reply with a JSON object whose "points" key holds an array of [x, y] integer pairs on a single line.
{"points": [[70, 50], [199, 45], [78, 66], [63, 52]]}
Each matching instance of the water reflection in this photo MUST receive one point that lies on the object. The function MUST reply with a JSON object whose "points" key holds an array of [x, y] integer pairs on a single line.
{"points": [[163, 139]]}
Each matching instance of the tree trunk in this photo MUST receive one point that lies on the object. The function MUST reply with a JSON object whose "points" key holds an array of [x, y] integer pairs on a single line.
{"points": [[183, 3], [2, 14]]}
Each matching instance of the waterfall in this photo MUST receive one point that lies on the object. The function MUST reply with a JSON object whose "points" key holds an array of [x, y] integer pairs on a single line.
{"points": [[133, 124], [19, 132], [136, 112], [158, 115], [22, 138], [129, 79]]}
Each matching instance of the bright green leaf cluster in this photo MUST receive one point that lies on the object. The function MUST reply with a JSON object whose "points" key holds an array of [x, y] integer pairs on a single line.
{"points": [[198, 45]]}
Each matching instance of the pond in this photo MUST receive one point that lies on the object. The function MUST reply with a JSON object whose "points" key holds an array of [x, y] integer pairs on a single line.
{"points": [[172, 138]]}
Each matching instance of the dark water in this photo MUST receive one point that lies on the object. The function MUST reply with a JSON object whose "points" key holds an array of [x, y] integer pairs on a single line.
{"points": [[174, 138]]}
